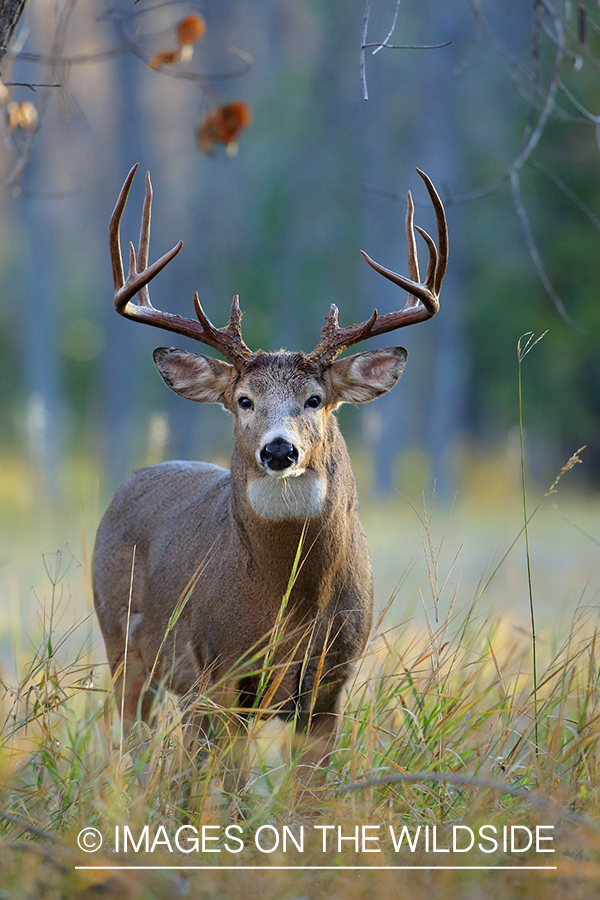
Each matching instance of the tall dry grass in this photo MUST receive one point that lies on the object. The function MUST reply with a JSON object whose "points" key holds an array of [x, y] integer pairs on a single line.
{"points": [[455, 719], [439, 728]]}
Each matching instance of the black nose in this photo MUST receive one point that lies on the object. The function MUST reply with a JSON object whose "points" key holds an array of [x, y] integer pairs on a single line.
{"points": [[278, 455]]}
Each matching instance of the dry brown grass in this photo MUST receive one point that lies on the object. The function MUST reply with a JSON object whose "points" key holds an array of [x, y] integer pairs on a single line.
{"points": [[438, 730]]}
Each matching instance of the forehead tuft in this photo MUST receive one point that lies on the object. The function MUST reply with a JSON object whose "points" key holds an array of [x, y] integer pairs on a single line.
{"points": [[287, 364], [283, 368]]}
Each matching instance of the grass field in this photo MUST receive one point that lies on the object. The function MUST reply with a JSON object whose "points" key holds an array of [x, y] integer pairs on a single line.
{"points": [[438, 734]]}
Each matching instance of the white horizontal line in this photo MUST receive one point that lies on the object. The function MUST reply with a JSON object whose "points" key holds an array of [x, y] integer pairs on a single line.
{"points": [[315, 868]]}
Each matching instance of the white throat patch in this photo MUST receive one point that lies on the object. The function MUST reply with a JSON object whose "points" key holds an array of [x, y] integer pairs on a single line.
{"points": [[288, 498]]}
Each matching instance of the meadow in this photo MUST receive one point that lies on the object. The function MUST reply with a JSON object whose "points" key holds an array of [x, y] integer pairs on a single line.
{"points": [[444, 730], [467, 763]]}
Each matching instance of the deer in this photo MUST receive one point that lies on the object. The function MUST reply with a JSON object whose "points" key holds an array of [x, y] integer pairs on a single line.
{"points": [[192, 561]]}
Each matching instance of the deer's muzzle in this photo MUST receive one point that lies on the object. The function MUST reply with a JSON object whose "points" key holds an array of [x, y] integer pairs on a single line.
{"points": [[278, 455]]}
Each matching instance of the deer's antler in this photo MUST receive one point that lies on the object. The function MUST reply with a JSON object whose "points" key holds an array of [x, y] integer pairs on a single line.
{"points": [[228, 341], [423, 300]]}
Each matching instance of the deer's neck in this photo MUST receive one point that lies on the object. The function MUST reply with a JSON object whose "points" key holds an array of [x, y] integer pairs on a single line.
{"points": [[270, 515]]}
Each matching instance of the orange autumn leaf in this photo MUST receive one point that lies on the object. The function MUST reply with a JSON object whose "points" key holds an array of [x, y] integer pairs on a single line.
{"points": [[223, 124], [165, 57], [191, 29], [188, 31]]}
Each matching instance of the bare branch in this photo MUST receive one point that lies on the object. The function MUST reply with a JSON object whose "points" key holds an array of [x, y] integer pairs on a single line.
{"points": [[391, 31], [33, 830], [545, 102], [363, 44], [532, 136], [380, 45], [31, 85], [581, 21], [534, 253], [91, 58], [534, 799], [581, 109], [566, 190], [385, 46], [536, 58]]}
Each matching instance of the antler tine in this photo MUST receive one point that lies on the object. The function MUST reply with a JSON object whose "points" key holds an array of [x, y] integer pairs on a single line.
{"points": [[331, 322], [442, 229], [144, 244], [235, 328], [145, 227], [335, 340], [139, 275], [228, 341], [235, 320], [114, 231], [432, 265], [423, 300], [411, 247]]}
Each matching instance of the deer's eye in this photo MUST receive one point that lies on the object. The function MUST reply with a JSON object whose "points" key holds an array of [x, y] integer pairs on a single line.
{"points": [[245, 403], [313, 402]]}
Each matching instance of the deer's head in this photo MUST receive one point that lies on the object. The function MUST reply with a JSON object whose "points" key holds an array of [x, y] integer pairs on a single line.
{"points": [[281, 402]]}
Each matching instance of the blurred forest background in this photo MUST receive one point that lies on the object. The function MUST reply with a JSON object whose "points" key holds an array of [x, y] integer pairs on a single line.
{"points": [[505, 121]]}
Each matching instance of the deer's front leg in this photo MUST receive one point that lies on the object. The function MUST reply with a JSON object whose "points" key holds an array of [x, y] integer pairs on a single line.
{"points": [[313, 742], [228, 728]]}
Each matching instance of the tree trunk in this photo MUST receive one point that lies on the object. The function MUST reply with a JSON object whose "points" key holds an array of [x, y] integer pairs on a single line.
{"points": [[10, 13]]}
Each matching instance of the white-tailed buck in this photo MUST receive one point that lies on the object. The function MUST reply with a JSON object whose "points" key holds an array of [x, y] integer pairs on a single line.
{"points": [[226, 541]]}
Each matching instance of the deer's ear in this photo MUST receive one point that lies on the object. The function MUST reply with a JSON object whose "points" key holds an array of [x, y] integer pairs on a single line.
{"points": [[366, 376], [192, 376]]}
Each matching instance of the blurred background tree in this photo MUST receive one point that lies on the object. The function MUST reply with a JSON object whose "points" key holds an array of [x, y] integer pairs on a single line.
{"points": [[502, 120], [10, 13]]}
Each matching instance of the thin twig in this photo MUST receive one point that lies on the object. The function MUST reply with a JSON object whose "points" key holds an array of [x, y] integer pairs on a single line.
{"points": [[582, 110], [536, 58], [363, 43], [531, 137], [581, 22], [33, 830], [566, 190], [391, 31], [521, 354], [380, 45], [384, 45], [91, 58], [534, 252], [31, 85], [534, 799]]}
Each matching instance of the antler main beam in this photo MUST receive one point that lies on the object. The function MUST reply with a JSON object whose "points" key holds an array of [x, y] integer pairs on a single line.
{"points": [[423, 300], [132, 296], [228, 341]]}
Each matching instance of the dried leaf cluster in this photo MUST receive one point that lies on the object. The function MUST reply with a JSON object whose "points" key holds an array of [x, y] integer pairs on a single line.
{"points": [[224, 122], [222, 125], [17, 115], [188, 31]]}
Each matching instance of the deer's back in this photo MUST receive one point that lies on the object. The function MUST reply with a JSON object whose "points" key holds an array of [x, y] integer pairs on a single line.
{"points": [[149, 510], [157, 531]]}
